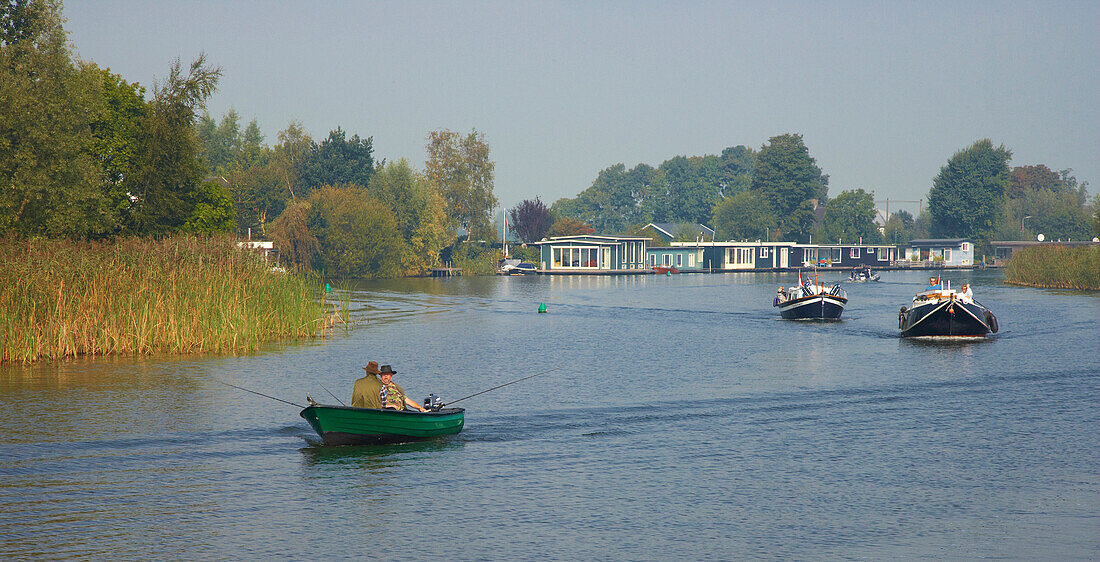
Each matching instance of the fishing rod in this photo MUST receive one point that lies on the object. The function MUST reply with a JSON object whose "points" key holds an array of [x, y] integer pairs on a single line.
{"points": [[502, 386], [262, 394]]}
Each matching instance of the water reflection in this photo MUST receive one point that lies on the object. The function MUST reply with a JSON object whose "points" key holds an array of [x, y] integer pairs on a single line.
{"points": [[375, 456]]}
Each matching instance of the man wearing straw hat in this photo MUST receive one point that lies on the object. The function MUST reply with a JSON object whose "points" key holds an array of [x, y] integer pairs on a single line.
{"points": [[365, 394]]}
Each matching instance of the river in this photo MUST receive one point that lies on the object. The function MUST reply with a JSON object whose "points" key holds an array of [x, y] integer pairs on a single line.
{"points": [[682, 418]]}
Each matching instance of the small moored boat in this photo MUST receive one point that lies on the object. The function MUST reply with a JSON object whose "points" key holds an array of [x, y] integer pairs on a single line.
{"points": [[943, 312], [344, 425], [810, 301], [664, 269]]}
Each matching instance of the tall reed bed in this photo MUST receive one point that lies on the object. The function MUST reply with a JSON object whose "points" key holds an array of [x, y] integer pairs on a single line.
{"points": [[1056, 267], [141, 296]]}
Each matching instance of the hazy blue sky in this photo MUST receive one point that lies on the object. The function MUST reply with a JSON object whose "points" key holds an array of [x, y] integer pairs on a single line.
{"points": [[882, 92]]}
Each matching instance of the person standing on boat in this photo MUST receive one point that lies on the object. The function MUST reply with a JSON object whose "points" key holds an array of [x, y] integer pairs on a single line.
{"points": [[365, 392], [393, 396]]}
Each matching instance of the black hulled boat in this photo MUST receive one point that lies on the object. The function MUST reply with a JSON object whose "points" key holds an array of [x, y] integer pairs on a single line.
{"points": [[810, 301], [945, 313]]}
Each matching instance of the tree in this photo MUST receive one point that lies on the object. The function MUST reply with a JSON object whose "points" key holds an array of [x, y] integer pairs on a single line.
{"points": [[357, 235], [116, 135], [692, 188], [616, 199], [789, 179], [900, 228], [1027, 179], [418, 211], [1096, 215], [737, 169], [211, 209], [51, 182], [850, 216], [167, 177], [460, 169], [1040, 200], [291, 236], [531, 220], [570, 227], [966, 197], [336, 161], [745, 215]]}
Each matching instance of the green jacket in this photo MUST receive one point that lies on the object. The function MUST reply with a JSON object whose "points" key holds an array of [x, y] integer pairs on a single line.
{"points": [[366, 392]]}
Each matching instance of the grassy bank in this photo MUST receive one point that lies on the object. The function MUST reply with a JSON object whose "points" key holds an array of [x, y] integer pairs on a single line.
{"points": [[133, 297], [1056, 267]]}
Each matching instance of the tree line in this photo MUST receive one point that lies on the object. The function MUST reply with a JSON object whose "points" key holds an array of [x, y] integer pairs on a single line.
{"points": [[84, 155], [778, 192]]}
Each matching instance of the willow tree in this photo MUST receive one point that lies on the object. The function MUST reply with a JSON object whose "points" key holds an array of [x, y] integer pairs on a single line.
{"points": [[460, 169]]}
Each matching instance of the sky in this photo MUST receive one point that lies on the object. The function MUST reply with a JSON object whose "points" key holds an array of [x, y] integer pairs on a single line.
{"points": [[883, 93]]}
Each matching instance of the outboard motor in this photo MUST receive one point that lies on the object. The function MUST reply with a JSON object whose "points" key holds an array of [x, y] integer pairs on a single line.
{"points": [[433, 403]]}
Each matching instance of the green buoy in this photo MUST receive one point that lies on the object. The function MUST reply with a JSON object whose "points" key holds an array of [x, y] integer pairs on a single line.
{"points": [[668, 274], [328, 288], [542, 307]]}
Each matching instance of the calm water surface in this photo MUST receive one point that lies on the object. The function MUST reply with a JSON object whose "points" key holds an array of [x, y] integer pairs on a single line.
{"points": [[683, 418]]}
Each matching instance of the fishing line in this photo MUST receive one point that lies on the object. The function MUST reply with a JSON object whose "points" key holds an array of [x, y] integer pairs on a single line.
{"points": [[333, 395], [262, 394], [502, 386]]}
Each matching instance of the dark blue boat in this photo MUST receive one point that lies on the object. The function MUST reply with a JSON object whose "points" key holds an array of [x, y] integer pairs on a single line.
{"points": [[945, 313], [810, 301]]}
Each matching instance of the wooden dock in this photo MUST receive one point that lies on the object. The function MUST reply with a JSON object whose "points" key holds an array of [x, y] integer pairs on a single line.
{"points": [[445, 272]]}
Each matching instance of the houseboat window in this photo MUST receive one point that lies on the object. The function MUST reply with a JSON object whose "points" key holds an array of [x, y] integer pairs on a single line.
{"points": [[834, 255], [854, 253], [557, 257], [946, 255], [882, 254], [764, 252], [965, 247], [666, 259], [679, 260], [691, 259]]}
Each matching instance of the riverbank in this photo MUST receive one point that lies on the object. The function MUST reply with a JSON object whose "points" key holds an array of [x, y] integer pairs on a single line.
{"points": [[179, 295], [1055, 267]]}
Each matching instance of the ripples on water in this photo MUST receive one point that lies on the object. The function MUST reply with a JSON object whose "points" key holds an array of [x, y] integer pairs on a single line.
{"points": [[683, 419]]}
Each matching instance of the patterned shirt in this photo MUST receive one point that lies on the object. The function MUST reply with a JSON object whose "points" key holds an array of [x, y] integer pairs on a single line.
{"points": [[392, 395]]}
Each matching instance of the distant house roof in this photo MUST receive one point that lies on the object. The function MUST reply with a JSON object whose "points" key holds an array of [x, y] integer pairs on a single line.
{"points": [[670, 229]]}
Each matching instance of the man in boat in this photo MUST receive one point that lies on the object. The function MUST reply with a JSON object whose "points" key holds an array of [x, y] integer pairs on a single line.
{"points": [[365, 394], [966, 295], [933, 284], [393, 396]]}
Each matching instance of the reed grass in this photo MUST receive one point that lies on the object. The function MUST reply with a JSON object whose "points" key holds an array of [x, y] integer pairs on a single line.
{"points": [[1056, 267], [179, 295]]}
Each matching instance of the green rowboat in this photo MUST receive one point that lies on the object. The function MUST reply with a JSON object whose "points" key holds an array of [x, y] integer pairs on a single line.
{"points": [[343, 425]]}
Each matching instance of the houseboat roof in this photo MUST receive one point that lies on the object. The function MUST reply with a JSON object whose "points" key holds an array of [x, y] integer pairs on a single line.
{"points": [[590, 239], [939, 241], [670, 229]]}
